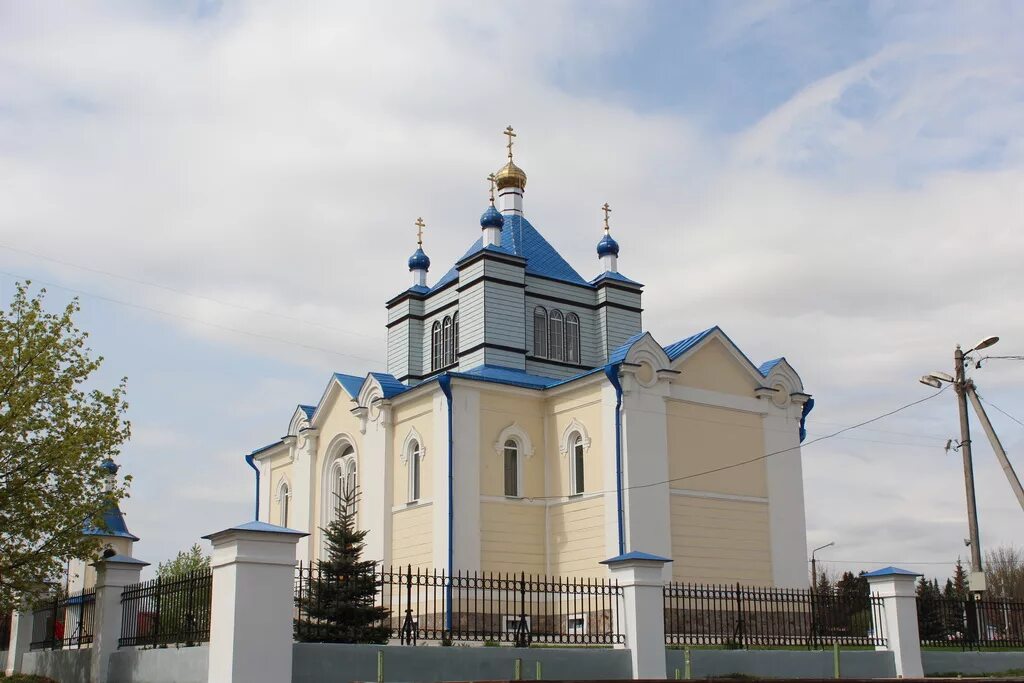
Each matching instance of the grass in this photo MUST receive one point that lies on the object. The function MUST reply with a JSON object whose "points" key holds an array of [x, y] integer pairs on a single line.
{"points": [[25, 678], [1009, 673], [794, 648]]}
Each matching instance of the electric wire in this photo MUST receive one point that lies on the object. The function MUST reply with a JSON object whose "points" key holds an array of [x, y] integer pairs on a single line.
{"points": [[990, 403], [199, 321], [760, 457]]}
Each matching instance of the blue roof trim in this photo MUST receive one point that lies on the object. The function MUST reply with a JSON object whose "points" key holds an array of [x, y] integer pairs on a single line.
{"points": [[389, 385], [112, 524], [262, 527], [892, 571], [766, 367], [308, 410], [518, 378], [124, 559], [350, 383], [520, 238], [609, 275], [267, 447], [636, 555], [619, 354], [673, 351]]}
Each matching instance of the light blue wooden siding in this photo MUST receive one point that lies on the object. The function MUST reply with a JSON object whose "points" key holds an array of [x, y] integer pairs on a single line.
{"points": [[398, 349], [583, 295], [621, 326], [591, 351], [415, 347], [550, 370], [504, 323]]}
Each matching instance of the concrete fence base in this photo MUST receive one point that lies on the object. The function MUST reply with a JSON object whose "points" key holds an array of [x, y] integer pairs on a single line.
{"points": [[160, 665], [64, 666], [782, 663], [970, 663]]}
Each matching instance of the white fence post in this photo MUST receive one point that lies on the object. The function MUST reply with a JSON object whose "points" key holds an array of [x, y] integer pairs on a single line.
{"points": [[112, 575], [899, 606], [21, 638], [253, 602], [643, 615]]}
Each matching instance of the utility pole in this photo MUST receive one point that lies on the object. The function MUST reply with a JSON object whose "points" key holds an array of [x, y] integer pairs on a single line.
{"points": [[960, 385], [814, 564]]}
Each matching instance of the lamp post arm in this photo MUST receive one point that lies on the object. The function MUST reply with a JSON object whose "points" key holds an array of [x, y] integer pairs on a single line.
{"points": [[997, 446]]}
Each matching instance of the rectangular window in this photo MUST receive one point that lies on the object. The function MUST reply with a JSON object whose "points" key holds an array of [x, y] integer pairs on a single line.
{"points": [[576, 625], [511, 470], [513, 624]]}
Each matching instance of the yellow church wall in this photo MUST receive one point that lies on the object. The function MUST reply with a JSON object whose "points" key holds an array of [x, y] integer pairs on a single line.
{"points": [[585, 407], [498, 411], [512, 537], [413, 536], [281, 469], [577, 543], [703, 437], [337, 420], [715, 368], [416, 414], [720, 541]]}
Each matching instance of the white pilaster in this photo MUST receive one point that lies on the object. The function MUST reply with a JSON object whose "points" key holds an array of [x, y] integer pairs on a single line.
{"points": [[21, 638], [466, 463], [253, 599], [607, 461], [304, 517], [643, 610], [510, 201], [785, 482], [375, 473], [112, 575], [439, 482], [265, 489], [896, 588]]}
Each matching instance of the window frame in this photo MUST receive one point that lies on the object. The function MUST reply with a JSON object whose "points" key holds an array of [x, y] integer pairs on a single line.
{"points": [[435, 346], [512, 444], [446, 341], [571, 342], [414, 458], [578, 466], [284, 495], [540, 334], [556, 335]]}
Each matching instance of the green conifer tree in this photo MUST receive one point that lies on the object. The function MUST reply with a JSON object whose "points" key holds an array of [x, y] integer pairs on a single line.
{"points": [[339, 605]]}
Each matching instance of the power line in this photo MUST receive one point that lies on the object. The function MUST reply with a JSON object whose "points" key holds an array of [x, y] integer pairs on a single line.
{"points": [[987, 402], [760, 457], [183, 292], [180, 316], [894, 562]]}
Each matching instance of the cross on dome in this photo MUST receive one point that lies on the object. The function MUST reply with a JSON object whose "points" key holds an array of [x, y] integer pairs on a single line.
{"points": [[509, 132], [419, 230], [510, 175], [490, 177], [607, 210]]}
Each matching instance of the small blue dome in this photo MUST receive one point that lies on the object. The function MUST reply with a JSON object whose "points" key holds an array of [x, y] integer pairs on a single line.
{"points": [[419, 261], [109, 467], [491, 218], [607, 246]]}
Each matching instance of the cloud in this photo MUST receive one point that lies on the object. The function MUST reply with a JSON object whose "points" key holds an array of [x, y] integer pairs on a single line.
{"points": [[275, 157]]}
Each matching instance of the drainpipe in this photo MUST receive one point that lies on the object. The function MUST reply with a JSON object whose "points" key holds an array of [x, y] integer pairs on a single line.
{"points": [[445, 382], [249, 461], [808, 407], [612, 372]]}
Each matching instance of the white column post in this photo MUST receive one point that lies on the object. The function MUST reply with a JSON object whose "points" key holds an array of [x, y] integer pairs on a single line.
{"points": [[112, 575], [896, 588], [643, 613], [21, 638], [251, 614]]}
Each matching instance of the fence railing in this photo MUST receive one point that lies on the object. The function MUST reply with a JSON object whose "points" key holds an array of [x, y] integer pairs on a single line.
{"points": [[970, 624], [423, 604], [734, 616], [64, 621], [167, 611]]}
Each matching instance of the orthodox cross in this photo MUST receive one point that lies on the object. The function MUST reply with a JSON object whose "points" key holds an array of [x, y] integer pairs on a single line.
{"points": [[607, 210], [419, 231], [510, 134], [490, 177]]}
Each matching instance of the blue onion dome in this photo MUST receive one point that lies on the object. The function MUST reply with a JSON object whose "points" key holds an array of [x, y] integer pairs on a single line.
{"points": [[492, 218], [108, 466], [419, 261], [607, 246]]}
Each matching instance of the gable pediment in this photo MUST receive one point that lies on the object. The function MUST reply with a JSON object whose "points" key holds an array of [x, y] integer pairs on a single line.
{"points": [[717, 365]]}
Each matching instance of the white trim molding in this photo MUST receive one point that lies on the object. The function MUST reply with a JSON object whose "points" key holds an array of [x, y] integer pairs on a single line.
{"points": [[413, 435], [517, 433], [570, 429], [690, 493]]}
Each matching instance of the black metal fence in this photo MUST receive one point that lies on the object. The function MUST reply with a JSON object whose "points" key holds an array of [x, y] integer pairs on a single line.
{"points": [[493, 608], [167, 611], [970, 624], [64, 621], [734, 616]]}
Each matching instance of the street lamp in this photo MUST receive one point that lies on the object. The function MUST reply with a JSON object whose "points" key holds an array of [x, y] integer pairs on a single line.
{"points": [[960, 385], [814, 563]]}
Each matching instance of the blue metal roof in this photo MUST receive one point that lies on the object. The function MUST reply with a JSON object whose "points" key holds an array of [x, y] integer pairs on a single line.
{"points": [[112, 524], [673, 351], [388, 384], [262, 527], [619, 354], [892, 571], [609, 275], [636, 555], [503, 375], [308, 410], [767, 366], [350, 383], [520, 238]]}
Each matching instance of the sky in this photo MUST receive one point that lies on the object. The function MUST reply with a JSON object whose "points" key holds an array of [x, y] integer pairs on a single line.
{"points": [[230, 189]]}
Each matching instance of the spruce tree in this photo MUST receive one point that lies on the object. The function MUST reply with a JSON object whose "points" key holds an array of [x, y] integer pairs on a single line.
{"points": [[339, 604], [960, 581]]}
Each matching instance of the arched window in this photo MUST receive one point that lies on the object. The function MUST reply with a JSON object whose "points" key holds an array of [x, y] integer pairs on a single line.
{"points": [[555, 335], [414, 460], [578, 475], [435, 346], [511, 468], [344, 482], [540, 332], [455, 337], [284, 496], [446, 333], [572, 338]]}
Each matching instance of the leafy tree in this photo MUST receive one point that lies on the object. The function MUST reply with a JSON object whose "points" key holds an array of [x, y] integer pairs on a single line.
{"points": [[54, 434], [1004, 573], [340, 604], [186, 562]]}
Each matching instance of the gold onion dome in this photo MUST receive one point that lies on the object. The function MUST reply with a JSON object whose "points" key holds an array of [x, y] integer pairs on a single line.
{"points": [[510, 175]]}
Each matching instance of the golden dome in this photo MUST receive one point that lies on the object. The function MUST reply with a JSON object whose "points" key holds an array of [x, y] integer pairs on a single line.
{"points": [[510, 175]]}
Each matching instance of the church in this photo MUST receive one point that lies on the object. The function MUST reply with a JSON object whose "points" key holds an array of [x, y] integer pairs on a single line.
{"points": [[528, 421]]}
